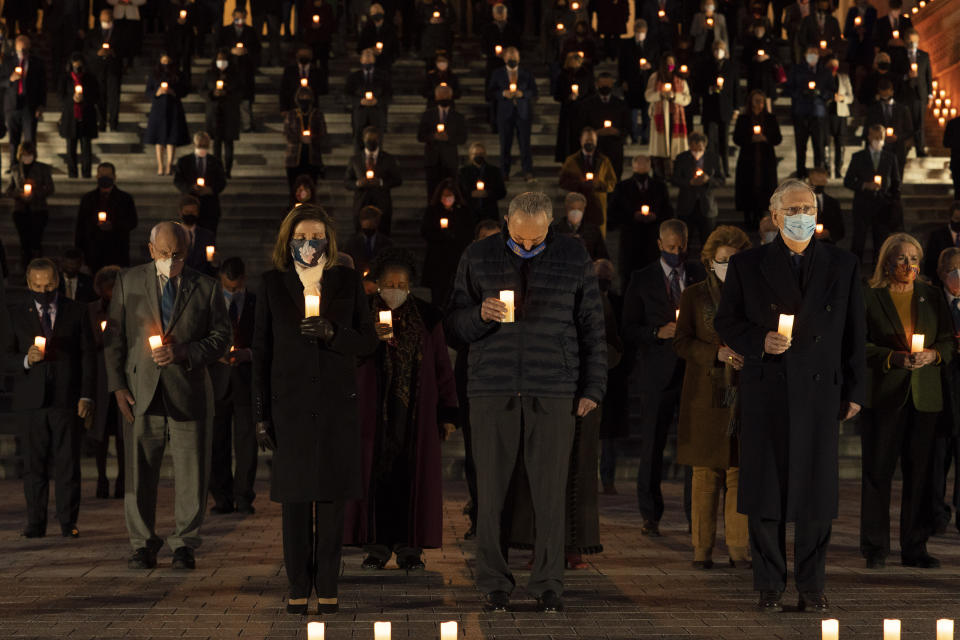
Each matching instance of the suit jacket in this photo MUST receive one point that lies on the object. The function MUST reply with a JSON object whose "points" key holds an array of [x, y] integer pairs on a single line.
{"points": [[101, 247], [810, 33], [684, 169], [860, 39], [890, 387], [883, 30], [84, 293], [804, 101], [379, 84], [197, 252], [248, 62], [387, 171], [939, 239], [41, 178], [630, 75], [512, 108], [831, 216], [496, 190], [68, 369], [108, 64], [594, 112], [861, 170], [234, 383], [34, 85], [185, 176], [442, 153], [638, 234], [901, 122], [357, 248], [912, 89], [290, 83], [573, 178], [370, 35], [718, 104], [199, 322], [790, 404]]}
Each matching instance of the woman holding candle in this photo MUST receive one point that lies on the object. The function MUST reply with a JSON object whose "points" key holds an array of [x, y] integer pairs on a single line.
{"points": [[720, 91], [667, 94], [708, 406], [571, 86], [909, 337], [757, 133], [305, 131], [447, 228], [79, 95], [31, 183], [758, 60], [221, 97], [408, 406], [166, 124], [305, 397]]}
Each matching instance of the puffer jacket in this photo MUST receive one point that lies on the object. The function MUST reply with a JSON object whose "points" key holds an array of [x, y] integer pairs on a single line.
{"points": [[557, 346]]}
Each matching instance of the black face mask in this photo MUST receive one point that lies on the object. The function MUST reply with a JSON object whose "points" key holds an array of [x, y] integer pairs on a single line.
{"points": [[104, 182], [44, 298], [589, 147], [479, 161], [513, 64], [378, 18], [604, 284], [304, 60], [371, 145], [304, 105], [818, 188], [190, 219], [369, 232], [78, 68], [955, 226], [883, 66], [444, 103], [604, 91]]}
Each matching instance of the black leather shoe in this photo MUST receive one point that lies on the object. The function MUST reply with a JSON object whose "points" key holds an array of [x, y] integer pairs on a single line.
{"points": [[373, 564], [246, 509], [296, 607], [813, 601], [328, 608], [33, 532], [142, 558], [703, 564], [770, 602], [412, 563], [183, 559], [70, 531], [549, 602], [650, 528], [876, 562], [923, 561], [221, 509], [498, 601], [740, 564]]}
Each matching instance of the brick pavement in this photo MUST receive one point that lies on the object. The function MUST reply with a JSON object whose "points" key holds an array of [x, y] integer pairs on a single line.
{"points": [[637, 588]]}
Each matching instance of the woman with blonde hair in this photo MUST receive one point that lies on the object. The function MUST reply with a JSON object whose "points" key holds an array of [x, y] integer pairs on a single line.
{"points": [[909, 337], [305, 397], [705, 439]]}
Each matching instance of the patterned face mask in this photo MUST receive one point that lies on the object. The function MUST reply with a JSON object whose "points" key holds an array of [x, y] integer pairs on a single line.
{"points": [[307, 253]]}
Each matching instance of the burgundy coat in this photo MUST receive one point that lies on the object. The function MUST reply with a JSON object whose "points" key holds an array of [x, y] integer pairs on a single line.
{"points": [[436, 404]]}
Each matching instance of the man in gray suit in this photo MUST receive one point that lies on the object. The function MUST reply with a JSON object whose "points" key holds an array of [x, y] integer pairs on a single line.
{"points": [[164, 392]]}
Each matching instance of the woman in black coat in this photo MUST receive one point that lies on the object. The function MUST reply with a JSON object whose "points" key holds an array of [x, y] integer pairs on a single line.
{"points": [[573, 73], [305, 397], [221, 95], [166, 124], [757, 165], [760, 70], [445, 244], [79, 95]]}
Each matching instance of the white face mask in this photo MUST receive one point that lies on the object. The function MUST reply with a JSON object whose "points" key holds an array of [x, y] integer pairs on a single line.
{"points": [[574, 216], [811, 58], [709, 8], [168, 267], [201, 152], [721, 54], [106, 25], [222, 64], [394, 297], [641, 35], [876, 145], [720, 268]]}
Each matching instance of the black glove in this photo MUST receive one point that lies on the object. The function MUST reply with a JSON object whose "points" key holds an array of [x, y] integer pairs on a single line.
{"points": [[265, 436], [317, 327]]}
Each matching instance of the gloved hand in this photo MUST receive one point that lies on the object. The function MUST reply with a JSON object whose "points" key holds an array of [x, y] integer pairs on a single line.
{"points": [[265, 436], [317, 327]]}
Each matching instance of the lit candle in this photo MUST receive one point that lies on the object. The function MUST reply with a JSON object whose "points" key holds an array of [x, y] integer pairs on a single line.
{"points": [[913, 67], [440, 127], [661, 14], [164, 85], [581, 54], [914, 10], [18, 70], [480, 185], [761, 53], [676, 315], [710, 22], [381, 630], [934, 84], [506, 297], [436, 14], [916, 343], [219, 85], [857, 21], [589, 176], [40, 343], [643, 62], [896, 36], [27, 189], [823, 44], [889, 131], [891, 630], [304, 82], [155, 342], [560, 26], [368, 95], [938, 102], [942, 121], [878, 180], [719, 82], [756, 129], [943, 93], [645, 209], [811, 85], [819, 228], [667, 87], [78, 89], [443, 84], [698, 173], [607, 124], [105, 45], [785, 326], [953, 112], [306, 133], [315, 631], [239, 45], [683, 68], [944, 629], [444, 223], [936, 112], [448, 631], [311, 305], [575, 6], [316, 18], [386, 317], [369, 174], [101, 216], [201, 181], [498, 49], [575, 89], [210, 249], [103, 325], [829, 629], [513, 87]]}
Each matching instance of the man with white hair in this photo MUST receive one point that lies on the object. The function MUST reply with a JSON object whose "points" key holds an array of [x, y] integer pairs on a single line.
{"points": [[794, 309], [166, 324]]}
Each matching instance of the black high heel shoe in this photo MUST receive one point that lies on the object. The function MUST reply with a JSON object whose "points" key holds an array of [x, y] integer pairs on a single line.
{"points": [[326, 607]]}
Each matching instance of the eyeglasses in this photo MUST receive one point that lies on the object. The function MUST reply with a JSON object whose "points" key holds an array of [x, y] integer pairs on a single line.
{"points": [[792, 211]]}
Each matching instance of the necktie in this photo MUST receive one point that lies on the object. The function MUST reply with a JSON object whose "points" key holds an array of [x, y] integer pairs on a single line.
{"points": [[203, 166], [46, 321], [675, 290], [167, 299], [955, 312], [798, 268], [234, 312], [875, 156], [370, 161]]}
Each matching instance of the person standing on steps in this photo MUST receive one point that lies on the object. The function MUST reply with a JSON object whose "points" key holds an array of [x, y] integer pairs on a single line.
{"points": [[514, 91], [24, 80]]}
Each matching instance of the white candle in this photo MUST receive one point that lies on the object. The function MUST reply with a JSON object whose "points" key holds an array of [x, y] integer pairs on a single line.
{"points": [[719, 82], [381, 630], [889, 131], [913, 67], [27, 189], [645, 209], [444, 223], [575, 89], [239, 45], [936, 112], [560, 26], [155, 342], [219, 85], [676, 314], [607, 124], [683, 68], [164, 85], [829, 629], [916, 343], [386, 317], [480, 185], [448, 631], [316, 18], [18, 70], [944, 629], [105, 45], [78, 89], [761, 52], [589, 176], [436, 14], [211, 250], [513, 87], [667, 87], [441, 127], [811, 85], [819, 228], [643, 62], [498, 49], [756, 129], [785, 326], [101, 217], [823, 44], [315, 630], [41, 343], [369, 174], [857, 21], [942, 121], [507, 298], [368, 95], [710, 22], [304, 82], [661, 14], [311, 305], [201, 181], [575, 6], [103, 325], [896, 34], [306, 133], [183, 14], [891, 630], [935, 84], [379, 47], [878, 180]]}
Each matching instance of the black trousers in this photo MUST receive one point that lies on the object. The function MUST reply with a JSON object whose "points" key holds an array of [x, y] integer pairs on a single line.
{"points": [[109, 107], [21, 126], [907, 435], [946, 451], [874, 221], [86, 156], [234, 441], [392, 510], [437, 174], [541, 430], [114, 427], [51, 449], [917, 109], [718, 135], [768, 543], [312, 545], [469, 466], [836, 131], [224, 149], [809, 128], [30, 226]]}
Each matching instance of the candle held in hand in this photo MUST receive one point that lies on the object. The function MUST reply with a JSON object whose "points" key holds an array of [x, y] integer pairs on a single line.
{"points": [[575, 89], [441, 127], [944, 629], [667, 87], [239, 45], [811, 85], [498, 49], [183, 14], [878, 180], [645, 210], [916, 343], [448, 631], [506, 297], [211, 250], [201, 182], [589, 176], [101, 216], [676, 315], [683, 69], [381, 630], [306, 133], [891, 630], [643, 62], [315, 631], [719, 82], [889, 131], [164, 85], [513, 87], [78, 89], [913, 67], [368, 95], [698, 173], [896, 34], [304, 82], [316, 18], [386, 317], [155, 342], [607, 124], [823, 44], [661, 14], [219, 85], [819, 228], [761, 53], [40, 343], [785, 326], [829, 630], [710, 23], [18, 70], [369, 174], [27, 189], [857, 21], [756, 129], [103, 326], [379, 47], [436, 14], [311, 305], [480, 185], [444, 223]]}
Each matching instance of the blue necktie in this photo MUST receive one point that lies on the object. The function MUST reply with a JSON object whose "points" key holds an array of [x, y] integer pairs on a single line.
{"points": [[167, 299], [675, 290]]}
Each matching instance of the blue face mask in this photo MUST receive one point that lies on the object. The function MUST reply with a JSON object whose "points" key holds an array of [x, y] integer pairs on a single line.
{"points": [[672, 259], [800, 227], [307, 253], [523, 253]]}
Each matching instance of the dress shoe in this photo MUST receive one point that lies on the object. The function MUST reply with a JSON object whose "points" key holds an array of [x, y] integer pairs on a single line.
{"points": [[498, 601], [471, 533], [297, 606], [741, 564], [69, 531], [650, 528], [813, 601], [371, 563], [703, 564], [876, 562], [922, 561], [33, 532], [246, 509], [770, 602], [103, 488], [413, 563], [142, 558], [549, 602], [222, 509], [327, 608], [183, 559]]}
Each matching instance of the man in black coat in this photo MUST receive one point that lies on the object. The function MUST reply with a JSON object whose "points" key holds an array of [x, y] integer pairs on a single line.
{"points": [[381, 38], [233, 396], [105, 218], [829, 213], [610, 117], [482, 202], [913, 65], [894, 20], [874, 177], [442, 130], [202, 175], [896, 121], [697, 174], [535, 365], [809, 87], [74, 284], [637, 207], [294, 75], [638, 57], [573, 225], [54, 383], [104, 59], [371, 174], [496, 37], [198, 238], [943, 237], [244, 45], [24, 80], [365, 245], [370, 90], [650, 306], [793, 390]]}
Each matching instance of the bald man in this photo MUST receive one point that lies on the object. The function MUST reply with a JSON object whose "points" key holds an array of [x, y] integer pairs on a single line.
{"points": [[442, 130]]}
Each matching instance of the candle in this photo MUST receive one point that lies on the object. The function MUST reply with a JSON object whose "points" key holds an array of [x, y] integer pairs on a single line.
{"points": [[811, 85], [698, 173], [386, 317], [103, 325], [379, 46], [936, 112], [942, 121], [944, 629], [889, 131], [667, 87], [443, 84], [513, 87], [938, 102], [719, 82], [643, 62], [829, 629], [575, 6], [210, 249], [710, 22], [436, 14], [219, 85], [506, 297], [661, 14], [560, 26], [201, 182], [315, 630], [40, 343], [18, 70], [761, 53], [155, 342], [575, 89], [607, 124], [878, 180], [857, 21], [316, 18], [368, 95], [440, 127], [480, 185], [580, 53], [444, 223], [78, 89], [27, 189], [916, 343], [589, 176], [369, 174], [448, 631], [101, 216], [498, 49], [306, 133], [943, 93], [683, 68], [105, 45], [913, 67], [896, 34], [311, 305], [239, 45], [935, 84], [645, 209], [164, 85], [756, 129], [891, 630], [823, 44], [676, 315], [381, 630], [819, 228], [785, 326], [304, 82]]}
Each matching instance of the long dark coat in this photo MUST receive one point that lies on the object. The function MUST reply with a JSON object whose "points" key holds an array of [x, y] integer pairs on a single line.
{"points": [[70, 127], [444, 247], [167, 123], [756, 178], [309, 390], [790, 404], [568, 138], [436, 401], [222, 113]]}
